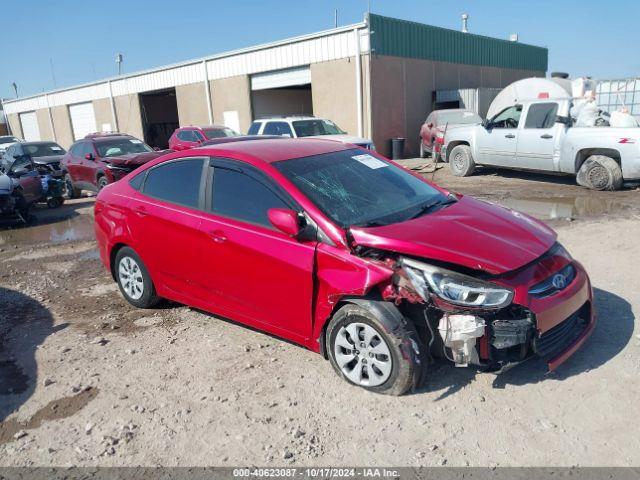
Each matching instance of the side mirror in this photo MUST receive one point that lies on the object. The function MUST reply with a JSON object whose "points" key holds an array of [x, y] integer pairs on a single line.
{"points": [[89, 156], [564, 120], [285, 220], [486, 123]]}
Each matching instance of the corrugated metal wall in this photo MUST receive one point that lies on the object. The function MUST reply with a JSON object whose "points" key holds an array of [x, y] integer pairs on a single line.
{"points": [[401, 38]]}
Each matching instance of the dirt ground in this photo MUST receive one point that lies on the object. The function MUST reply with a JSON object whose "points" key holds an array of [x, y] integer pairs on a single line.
{"points": [[86, 379]]}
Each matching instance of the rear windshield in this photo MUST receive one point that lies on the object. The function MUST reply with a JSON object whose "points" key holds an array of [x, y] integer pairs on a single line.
{"points": [[308, 128], [43, 149], [219, 133], [121, 146], [458, 118], [354, 188], [8, 140]]}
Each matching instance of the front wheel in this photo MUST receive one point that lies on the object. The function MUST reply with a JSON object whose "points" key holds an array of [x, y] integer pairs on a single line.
{"points": [[375, 348], [461, 161], [102, 182], [71, 192], [134, 280]]}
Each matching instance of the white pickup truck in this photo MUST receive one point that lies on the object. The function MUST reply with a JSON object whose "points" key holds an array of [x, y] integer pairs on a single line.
{"points": [[538, 135]]}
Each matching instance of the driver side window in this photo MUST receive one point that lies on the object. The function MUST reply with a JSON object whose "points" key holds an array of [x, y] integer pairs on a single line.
{"points": [[508, 118], [22, 163]]}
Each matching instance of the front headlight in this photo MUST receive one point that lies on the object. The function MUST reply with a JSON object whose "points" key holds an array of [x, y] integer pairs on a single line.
{"points": [[454, 287]]}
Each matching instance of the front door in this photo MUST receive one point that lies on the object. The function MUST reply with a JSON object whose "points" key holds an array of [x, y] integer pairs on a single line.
{"points": [[497, 143], [536, 142], [255, 273]]}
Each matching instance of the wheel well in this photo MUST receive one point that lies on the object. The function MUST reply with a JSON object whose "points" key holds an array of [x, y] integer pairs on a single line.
{"points": [[454, 144], [582, 155], [112, 258]]}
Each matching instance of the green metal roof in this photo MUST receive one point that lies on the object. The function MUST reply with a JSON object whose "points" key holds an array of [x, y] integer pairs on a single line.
{"points": [[401, 38]]}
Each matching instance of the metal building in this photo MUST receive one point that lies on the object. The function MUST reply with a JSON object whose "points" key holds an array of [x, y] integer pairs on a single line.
{"points": [[376, 79]]}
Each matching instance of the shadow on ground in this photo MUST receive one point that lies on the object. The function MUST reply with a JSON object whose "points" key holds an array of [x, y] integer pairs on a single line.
{"points": [[614, 329], [24, 325]]}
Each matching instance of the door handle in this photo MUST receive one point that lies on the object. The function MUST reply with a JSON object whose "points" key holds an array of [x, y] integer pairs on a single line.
{"points": [[140, 211], [218, 236], [510, 135], [546, 136]]}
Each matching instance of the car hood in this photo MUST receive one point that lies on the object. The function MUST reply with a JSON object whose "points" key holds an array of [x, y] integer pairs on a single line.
{"points": [[470, 233], [6, 185], [135, 159], [48, 159], [450, 126], [344, 139]]}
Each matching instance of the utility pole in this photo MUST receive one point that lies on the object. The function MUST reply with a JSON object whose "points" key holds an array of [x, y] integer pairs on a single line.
{"points": [[53, 75], [15, 88], [119, 62], [335, 18]]}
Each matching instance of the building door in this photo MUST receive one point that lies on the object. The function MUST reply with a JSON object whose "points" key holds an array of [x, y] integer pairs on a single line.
{"points": [[83, 119], [29, 123], [159, 116]]}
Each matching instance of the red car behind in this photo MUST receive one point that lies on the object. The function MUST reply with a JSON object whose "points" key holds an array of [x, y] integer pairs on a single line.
{"points": [[184, 138], [433, 129], [346, 253]]}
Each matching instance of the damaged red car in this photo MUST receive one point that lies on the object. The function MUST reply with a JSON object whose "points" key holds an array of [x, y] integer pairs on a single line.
{"points": [[346, 253]]}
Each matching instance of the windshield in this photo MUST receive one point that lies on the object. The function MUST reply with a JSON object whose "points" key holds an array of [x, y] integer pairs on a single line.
{"points": [[219, 133], [4, 140], [43, 149], [458, 118], [121, 146], [308, 128], [354, 188]]}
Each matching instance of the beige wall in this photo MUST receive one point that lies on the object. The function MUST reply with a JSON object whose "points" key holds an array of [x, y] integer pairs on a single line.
{"points": [[44, 125], [102, 112], [14, 123], [402, 93], [192, 104], [128, 113], [62, 124], [232, 94]]}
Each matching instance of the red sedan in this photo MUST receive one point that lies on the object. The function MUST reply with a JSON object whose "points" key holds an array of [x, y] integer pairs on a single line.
{"points": [[346, 253], [433, 129], [184, 138]]}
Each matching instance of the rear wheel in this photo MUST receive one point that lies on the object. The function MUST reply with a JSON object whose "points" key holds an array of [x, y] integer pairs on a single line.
{"points": [[70, 191], [600, 172], [374, 349], [102, 182], [134, 280], [461, 161]]}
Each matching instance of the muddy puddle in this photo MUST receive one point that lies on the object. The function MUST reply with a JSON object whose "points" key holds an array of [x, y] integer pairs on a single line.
{"points": [[70, 229], [552, 208]]}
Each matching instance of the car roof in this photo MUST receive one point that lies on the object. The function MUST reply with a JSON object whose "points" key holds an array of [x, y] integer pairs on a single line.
{"points": [[289, 118], [454, 110], [201, 127], [273, 149], [111, 137], [39, 142]]}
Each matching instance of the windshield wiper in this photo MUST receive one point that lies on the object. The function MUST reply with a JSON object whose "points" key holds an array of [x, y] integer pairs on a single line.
{"points": [[430, 206]]}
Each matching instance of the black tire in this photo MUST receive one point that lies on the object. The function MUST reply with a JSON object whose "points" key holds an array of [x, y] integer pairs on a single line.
{"points": [[599, 172], [461, 161], [55, 202], [71, 191], [148, 297], [399, 335], [102, 182]]}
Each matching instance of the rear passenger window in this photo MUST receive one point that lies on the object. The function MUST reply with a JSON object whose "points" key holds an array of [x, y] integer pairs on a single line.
{"points": [[254, 128], [241, 197], [277, 128], [541, 115], [186, 135], [136, 182], [176, 182]]}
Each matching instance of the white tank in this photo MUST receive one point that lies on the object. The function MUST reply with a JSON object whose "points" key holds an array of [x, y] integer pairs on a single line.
{"points": [[530, 89]]}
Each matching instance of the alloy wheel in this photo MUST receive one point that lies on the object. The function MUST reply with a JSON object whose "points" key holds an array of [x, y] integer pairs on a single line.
{"points": [[130, 277], [362, 354]]}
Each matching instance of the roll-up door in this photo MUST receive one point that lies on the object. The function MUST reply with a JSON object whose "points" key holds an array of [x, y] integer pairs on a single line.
{"points": [[29, 123], [83, 119]]}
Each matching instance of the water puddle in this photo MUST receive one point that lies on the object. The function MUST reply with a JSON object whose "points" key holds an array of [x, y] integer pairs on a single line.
{"points": [[77, 228], [552, 208]]}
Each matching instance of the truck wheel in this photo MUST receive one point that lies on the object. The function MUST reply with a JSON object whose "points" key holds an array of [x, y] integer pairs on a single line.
{"points": [[461, 161], [599, 172], [134, 280], [71, 191], [375, 348]]}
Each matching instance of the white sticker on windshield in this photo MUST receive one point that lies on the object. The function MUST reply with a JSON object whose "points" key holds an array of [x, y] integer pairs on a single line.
{"points": [[369, 161], [56, 149], [135, 141]]}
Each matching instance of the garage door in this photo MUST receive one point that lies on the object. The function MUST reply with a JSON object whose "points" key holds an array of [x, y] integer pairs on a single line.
{"points": [[281, 78], [83, 120], [29, 123]]}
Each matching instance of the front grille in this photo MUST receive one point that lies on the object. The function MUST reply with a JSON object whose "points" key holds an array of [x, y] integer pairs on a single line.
{"points": [[554, 341], [555, 283]]}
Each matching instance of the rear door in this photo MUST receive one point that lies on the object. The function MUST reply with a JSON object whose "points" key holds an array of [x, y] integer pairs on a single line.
{"points": [[164, 221], [536, 142], [254, 272], [497, 144], [74, 163]]}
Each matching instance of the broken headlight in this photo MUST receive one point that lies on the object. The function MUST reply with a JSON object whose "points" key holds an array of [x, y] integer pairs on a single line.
{"points": [[455, 288]]}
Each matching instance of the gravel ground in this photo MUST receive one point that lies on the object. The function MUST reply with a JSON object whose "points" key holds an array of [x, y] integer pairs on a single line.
{"points": [[86, 379]]}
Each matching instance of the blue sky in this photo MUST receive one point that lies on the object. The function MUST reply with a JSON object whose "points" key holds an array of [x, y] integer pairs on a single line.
{"points": [[587, 37]]}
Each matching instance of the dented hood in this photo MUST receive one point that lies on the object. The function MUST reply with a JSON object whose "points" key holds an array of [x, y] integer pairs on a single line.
{"points": [[136, 158], [469, 233]]}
